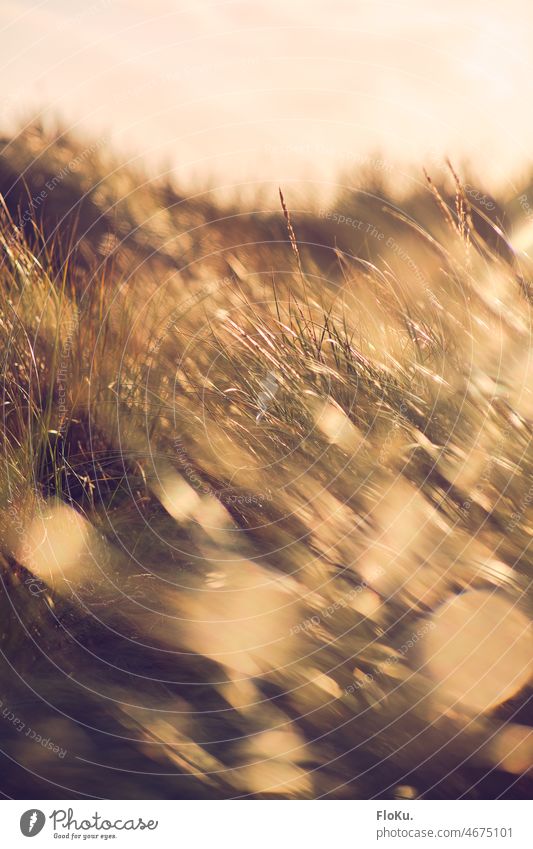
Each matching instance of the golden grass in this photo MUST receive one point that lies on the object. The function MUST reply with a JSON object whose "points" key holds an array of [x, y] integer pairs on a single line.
{"points": [[274, 478]]}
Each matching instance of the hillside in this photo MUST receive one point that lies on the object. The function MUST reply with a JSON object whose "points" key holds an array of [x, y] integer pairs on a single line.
{"points": [[249, 460]]}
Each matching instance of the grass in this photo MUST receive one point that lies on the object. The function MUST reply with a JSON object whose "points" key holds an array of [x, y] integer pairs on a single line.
{"points": [[245, 455]]}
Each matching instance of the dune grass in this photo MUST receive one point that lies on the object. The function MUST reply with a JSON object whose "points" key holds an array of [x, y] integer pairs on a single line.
{"points": [[245, 456]]}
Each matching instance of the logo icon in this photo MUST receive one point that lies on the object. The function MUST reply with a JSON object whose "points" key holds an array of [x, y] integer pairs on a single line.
{"points": [[32, 822]]}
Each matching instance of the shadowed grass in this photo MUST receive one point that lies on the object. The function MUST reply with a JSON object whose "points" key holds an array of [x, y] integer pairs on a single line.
{"points": [[241, 466]]}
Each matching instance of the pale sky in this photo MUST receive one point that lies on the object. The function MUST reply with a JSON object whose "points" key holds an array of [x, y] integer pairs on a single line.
{"points": [[279, 91]]}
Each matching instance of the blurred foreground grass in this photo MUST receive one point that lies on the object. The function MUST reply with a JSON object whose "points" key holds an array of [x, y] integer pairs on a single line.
{"points": [[265, 488]]}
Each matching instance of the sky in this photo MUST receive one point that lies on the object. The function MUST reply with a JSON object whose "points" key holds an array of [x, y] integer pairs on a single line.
{"points": [[234, 93]]}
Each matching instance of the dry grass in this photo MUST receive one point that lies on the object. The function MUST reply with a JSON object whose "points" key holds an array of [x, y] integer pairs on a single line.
{"points": [[240, 469]]}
